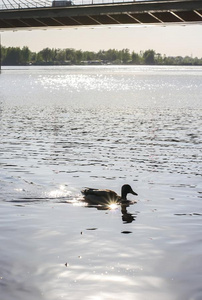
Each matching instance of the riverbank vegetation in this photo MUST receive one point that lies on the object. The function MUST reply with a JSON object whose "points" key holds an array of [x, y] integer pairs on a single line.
{"points": [[24, 56]]}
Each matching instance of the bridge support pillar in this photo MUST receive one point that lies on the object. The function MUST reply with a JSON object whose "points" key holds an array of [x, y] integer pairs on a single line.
{"points": [[0, 53]]}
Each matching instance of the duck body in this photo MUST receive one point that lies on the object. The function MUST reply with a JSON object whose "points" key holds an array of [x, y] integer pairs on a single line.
{"points": [[105, 197]]}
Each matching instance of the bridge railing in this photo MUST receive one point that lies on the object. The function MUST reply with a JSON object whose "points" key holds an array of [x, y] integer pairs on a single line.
{"points": [[88, 2], [22, 4]]}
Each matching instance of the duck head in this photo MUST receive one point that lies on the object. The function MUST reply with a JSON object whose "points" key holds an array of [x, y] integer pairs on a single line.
{"points": [[126, 189]]}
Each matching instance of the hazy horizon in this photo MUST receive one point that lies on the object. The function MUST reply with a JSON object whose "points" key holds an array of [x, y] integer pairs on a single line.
{"points": [[171, 40]]}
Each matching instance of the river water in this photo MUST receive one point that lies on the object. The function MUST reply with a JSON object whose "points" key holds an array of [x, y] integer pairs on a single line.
{"points": [[65, 128]]}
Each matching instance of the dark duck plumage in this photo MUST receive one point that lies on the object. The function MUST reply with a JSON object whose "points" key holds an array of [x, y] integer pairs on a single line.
{"points": [[105, 197]]}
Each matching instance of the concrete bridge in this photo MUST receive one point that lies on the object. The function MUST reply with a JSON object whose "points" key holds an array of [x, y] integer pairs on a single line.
{"points": [[95, 14]]}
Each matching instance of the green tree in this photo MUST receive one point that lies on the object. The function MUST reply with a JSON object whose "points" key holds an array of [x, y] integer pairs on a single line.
{"points": [[25, 55], [135, 58], [101, 55], [12, 56], [187, 60], [70, 55], [125, 55], [111, 55], [90, 55], [46, 54], [158, 59], [79, 56], [60, 56], [3, 53], [149, 57]]}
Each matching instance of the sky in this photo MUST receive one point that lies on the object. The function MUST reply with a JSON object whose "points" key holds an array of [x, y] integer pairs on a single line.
{"points": [[171, 40]]}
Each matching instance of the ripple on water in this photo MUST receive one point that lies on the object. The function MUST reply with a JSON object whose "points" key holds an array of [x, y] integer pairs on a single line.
{"points": [[62, 130]]}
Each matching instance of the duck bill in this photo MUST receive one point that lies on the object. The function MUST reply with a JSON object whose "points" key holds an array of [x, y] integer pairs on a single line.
{"points": [[132, 192]]}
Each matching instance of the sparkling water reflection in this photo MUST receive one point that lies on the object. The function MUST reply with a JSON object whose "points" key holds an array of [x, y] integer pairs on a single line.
{"points": [[63, 129]]}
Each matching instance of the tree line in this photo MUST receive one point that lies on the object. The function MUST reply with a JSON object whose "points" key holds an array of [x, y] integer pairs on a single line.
{"points": [[24, 56]]}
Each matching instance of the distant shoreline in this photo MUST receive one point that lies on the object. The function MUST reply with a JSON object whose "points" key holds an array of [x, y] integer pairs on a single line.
{"points": [[15, 56], [95, 64]]}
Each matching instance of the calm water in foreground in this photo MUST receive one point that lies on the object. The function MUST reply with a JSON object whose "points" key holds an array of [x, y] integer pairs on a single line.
{"points": [[66, 128]]}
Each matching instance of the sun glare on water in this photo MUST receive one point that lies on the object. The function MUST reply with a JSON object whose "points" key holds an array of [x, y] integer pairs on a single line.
{"points": [[113, 206]]}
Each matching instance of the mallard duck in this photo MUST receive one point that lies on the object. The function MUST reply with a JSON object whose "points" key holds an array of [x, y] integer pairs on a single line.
{"points": [[105, 197]]}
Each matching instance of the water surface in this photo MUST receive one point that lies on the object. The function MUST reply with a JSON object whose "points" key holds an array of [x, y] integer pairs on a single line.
{"points": [[65, 128]]}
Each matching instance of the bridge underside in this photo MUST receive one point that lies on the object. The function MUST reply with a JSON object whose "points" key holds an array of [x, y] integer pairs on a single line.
{"points": [[142, 12]]}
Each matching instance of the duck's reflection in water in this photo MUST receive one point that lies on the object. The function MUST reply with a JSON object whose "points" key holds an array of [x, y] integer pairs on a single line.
{"points": [[127, 217]]}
